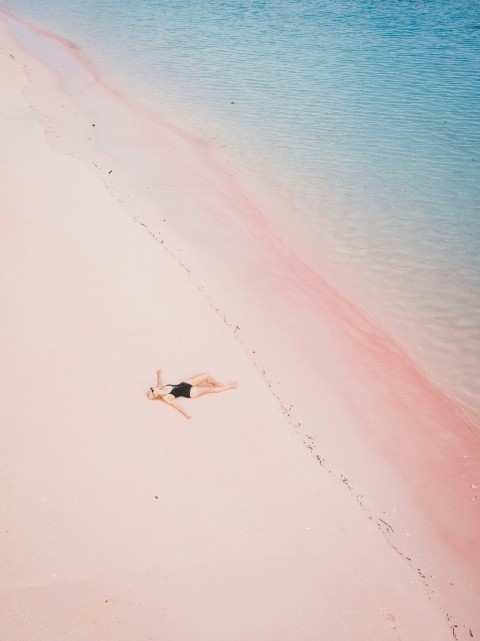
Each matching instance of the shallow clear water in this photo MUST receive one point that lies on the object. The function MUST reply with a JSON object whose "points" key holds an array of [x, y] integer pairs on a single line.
{"points": [[362, 116]]}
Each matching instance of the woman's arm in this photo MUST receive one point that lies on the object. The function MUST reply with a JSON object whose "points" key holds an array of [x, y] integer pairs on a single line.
{"points": [[159, 378], [175, 406]]}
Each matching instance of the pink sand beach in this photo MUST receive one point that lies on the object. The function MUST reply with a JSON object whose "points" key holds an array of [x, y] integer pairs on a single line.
{"points": [[334, 495]]}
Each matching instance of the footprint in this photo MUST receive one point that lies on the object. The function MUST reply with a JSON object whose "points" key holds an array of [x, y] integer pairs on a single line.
{"points": [[391, 619]]}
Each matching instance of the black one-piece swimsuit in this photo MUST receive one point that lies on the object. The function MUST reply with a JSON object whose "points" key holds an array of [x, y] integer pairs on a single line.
{"points": [[182, 389]]}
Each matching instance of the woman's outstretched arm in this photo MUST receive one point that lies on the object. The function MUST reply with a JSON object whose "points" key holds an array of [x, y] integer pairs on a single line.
{"points": [[177, 407], [159, 378]]}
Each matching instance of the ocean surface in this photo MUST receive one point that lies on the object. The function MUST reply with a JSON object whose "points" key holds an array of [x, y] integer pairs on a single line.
{"points": [[361, 118]]}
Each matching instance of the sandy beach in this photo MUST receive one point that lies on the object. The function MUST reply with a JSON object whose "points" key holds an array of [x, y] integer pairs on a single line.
{"points": [[333, 495]]}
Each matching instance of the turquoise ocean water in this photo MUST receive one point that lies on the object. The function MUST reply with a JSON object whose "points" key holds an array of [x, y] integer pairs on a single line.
{"points": [[362, 117]]}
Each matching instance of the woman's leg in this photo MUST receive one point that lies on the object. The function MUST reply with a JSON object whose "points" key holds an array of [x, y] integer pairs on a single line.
{"points": [[197, 391], [202, 378]]}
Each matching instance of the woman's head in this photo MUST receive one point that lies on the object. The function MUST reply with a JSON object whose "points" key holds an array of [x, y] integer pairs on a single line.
{"points": [[151, 394]]}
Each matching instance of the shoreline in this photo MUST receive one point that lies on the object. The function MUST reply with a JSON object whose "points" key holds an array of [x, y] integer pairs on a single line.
{"points": [[218, 237]]}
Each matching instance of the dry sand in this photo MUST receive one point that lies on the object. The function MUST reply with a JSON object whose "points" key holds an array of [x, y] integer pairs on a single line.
{"points": [[352, 515]]}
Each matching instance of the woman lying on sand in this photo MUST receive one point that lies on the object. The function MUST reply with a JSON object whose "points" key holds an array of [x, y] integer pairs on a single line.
{"points": [[191, 388]]}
